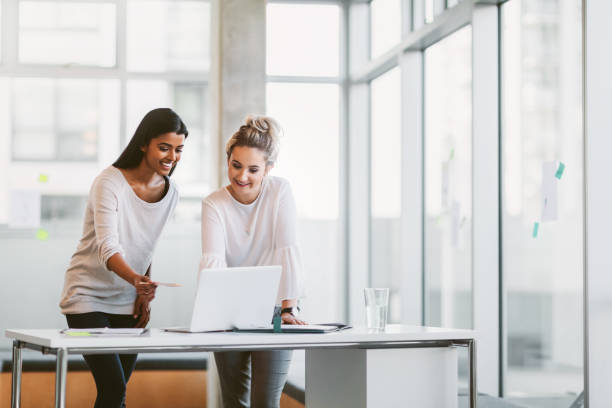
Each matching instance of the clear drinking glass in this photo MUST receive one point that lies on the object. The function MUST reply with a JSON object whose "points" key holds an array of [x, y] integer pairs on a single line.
{"points": [[377, 304]]}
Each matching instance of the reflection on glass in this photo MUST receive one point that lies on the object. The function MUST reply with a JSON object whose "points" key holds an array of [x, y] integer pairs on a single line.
{"points": [[59, 119], [188, 100], [385, 195], [386, 25], [309, 158], [174, 36], [448, 181], [80, 33], [303, 39], [542, 126]]}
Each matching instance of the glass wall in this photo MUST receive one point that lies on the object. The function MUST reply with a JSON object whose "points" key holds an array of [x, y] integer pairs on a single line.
{"points": [[542, 211], [448, 181], [386, 181], [68, 105], [309, 113], [385, 25]]}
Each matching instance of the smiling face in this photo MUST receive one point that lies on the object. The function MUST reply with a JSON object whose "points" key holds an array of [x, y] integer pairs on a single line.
{"points": [[163, 152], [246, 169]]}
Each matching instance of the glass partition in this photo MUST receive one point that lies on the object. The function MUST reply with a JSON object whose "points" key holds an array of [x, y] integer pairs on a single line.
{"points": [[542, 207], [67, 33], [385, 25], [385, 190], [297, 46], [179, 29], [448, 181]]}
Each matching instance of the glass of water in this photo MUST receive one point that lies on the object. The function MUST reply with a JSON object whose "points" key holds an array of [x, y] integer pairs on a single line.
{"points": [[377, 304]]}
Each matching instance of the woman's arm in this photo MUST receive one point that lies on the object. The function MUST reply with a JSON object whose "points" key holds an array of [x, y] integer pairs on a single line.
{"points": [[213, 238], [288, 253], [105, 203]]}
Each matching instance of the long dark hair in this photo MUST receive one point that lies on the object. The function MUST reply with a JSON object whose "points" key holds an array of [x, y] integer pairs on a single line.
{"points": [[155, 123]]}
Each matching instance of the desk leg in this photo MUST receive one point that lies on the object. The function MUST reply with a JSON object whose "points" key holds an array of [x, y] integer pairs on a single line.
{"points": [[17, 371], [61, 370], [473, 387]]}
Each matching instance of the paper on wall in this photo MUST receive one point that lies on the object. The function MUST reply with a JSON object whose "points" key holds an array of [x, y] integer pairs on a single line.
{"points": [[24, 209], [549, 192]]}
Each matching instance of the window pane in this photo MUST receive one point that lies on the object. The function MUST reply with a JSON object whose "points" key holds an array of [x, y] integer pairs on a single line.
{"points": [[386, 25], [309, 158], [448, 181], [60, 119], [174, 36], [186, 99], [386, 176], [542, 127], [303, 39], [67, 33]]}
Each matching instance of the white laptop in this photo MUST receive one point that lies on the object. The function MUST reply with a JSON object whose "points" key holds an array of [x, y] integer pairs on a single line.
{"points": [[233, 297]]}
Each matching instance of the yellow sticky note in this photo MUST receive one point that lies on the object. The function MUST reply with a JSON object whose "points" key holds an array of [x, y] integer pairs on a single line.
{"points": [[42, 235], [43, 178]]}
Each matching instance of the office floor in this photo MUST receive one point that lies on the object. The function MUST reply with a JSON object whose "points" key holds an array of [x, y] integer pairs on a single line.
{"points": [[180, 389]]}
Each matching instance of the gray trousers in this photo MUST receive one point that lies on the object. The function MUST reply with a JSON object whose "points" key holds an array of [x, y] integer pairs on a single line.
{"points": [[252, 378]]}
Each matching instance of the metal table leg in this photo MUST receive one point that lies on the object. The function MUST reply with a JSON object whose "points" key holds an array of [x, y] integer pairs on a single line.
{"points": [[473, 388], [17, 371], [61, 370]]}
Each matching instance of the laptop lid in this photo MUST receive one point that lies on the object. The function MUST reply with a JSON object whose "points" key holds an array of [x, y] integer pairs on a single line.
{"points": [[235, 297]]}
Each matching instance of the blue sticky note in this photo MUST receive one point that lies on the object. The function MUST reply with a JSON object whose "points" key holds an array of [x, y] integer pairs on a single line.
{"points": [[559, 172], [536, 227]]}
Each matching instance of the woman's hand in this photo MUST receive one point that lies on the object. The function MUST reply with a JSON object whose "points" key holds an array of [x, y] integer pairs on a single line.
{"points": [[288, 318], [142, 311], [144, 286]]}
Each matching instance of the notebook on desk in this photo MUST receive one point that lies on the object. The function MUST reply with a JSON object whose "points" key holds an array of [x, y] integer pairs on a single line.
{"points": [[233, 297]]}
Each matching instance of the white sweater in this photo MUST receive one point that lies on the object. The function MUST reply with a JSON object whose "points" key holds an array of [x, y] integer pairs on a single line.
{"points": [[260, 233], [116, 221]]}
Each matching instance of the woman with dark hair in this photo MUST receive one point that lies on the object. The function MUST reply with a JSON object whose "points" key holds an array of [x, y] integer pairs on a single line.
{"points": [[108, 282]]}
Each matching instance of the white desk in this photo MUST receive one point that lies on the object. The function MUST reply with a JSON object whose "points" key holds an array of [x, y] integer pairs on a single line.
{"points": [[348, 368]]}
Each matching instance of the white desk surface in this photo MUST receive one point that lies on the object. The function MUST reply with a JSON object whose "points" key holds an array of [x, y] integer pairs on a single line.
{"points": [[158, 338]]}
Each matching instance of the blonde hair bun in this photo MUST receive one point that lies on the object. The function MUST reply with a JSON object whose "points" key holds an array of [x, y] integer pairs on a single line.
{"points": [[258, 131]]}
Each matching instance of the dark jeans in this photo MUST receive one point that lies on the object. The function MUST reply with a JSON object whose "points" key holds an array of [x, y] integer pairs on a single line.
{"points": [[111, 372]]}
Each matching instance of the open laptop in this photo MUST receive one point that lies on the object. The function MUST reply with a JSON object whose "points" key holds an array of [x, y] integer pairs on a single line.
{"points": [[233, 297]]}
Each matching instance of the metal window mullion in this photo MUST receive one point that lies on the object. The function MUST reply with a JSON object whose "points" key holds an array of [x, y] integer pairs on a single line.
{"points": [[343, 159], [411, 66], [485, 201]]}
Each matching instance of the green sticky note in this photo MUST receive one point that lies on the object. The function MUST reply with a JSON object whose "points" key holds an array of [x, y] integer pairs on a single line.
{"points": [[536, 227], [277, 324], [42, 235], [559, 172], [79, 334], [43, 178], [452, 155]]}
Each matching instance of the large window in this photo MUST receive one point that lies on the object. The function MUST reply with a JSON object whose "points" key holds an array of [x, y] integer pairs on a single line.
{"points": [[71, 96], [385, 25], [386, 181], [448, 181], [309, 113], [542, 164]]}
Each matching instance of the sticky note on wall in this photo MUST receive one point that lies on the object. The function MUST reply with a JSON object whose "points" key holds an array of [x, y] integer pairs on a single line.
{"points": [[536, 227], [560, 170], [24, 209]]}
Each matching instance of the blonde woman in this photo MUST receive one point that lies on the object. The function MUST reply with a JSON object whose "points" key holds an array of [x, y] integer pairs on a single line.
{"points": [[252, 221]]}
